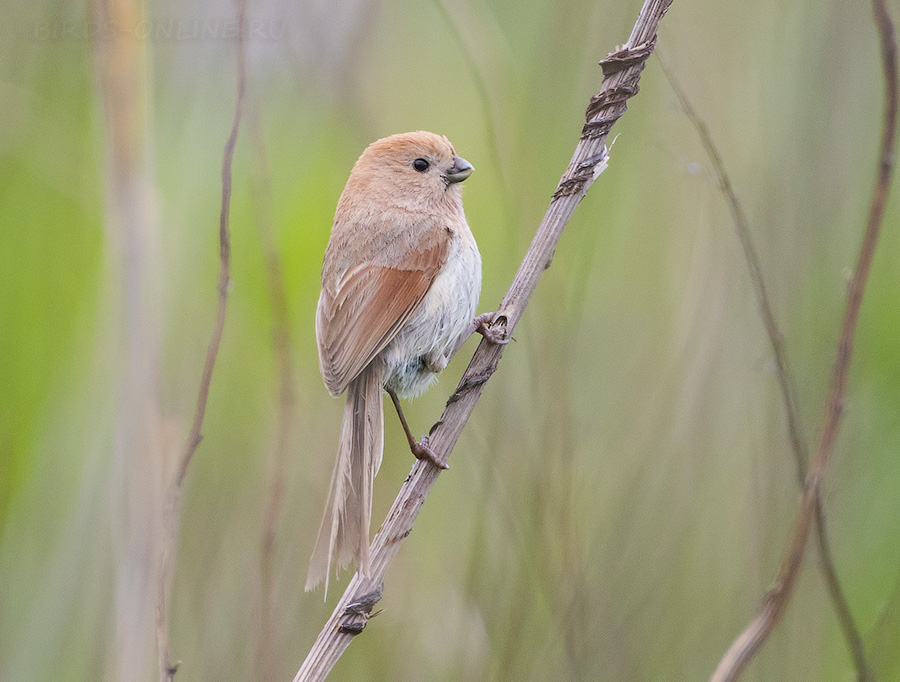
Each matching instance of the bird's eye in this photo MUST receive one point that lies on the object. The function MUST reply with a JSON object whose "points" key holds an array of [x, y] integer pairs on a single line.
{"points": [[421, 165]]}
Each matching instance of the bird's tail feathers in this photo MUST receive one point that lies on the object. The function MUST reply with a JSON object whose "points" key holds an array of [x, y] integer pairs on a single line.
{"points": [[344, 532]]}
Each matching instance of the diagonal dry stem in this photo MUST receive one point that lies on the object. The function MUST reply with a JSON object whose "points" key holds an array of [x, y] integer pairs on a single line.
{"points": [[622, 70]]}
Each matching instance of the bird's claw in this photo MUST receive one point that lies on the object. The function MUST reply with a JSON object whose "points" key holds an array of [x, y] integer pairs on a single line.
{"points": [[483, 326]]}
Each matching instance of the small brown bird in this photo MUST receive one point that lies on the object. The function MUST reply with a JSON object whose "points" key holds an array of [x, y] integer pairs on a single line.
{"points": [[400, 287]]}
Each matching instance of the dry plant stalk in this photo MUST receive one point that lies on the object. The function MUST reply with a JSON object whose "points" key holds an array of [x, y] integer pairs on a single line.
{"points": [[751, 640], [785, 378], [131, 229], [172, 510], [622, 70]]}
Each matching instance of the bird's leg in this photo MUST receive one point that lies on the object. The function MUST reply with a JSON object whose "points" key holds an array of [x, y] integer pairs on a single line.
{"points": [[420, 450], [437, 363]]}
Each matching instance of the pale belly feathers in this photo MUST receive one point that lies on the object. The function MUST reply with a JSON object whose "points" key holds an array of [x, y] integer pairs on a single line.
{"points": [[431, 335]]}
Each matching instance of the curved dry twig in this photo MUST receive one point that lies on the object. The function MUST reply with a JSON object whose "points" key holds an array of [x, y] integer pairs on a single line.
{"points": [[622, 70], [782, 371], [172, 510], [751, 640]]}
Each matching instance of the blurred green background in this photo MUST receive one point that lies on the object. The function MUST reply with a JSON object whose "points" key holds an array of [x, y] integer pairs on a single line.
{"points": [[621, 498]]}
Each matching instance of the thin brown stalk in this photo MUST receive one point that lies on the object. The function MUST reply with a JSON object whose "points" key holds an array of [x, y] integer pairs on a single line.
{"points": [[172, 510], [622, 70], [487, 112], [281, 345], [751, 640], [751, 256], [782, 370], [195, 436]]}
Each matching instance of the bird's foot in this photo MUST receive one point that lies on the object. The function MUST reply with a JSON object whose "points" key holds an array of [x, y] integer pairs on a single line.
{"points": [[483, 326], [421, 450]]}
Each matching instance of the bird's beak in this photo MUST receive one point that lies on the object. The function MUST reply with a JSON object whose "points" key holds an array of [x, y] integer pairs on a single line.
{"points": [[460, 170]]}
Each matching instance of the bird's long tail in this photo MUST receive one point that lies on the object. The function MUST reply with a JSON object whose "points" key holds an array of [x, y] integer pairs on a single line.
{"points": [[344, 533]]}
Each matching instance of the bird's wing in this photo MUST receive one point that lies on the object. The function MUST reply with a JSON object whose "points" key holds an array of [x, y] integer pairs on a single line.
{"points": [[358, 318]]}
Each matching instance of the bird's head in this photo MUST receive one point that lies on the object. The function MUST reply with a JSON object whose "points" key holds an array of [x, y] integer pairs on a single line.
{"points": [[416, 170]]}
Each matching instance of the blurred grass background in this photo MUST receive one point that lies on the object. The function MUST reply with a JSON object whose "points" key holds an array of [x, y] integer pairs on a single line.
{"points": [[620, 500]]}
